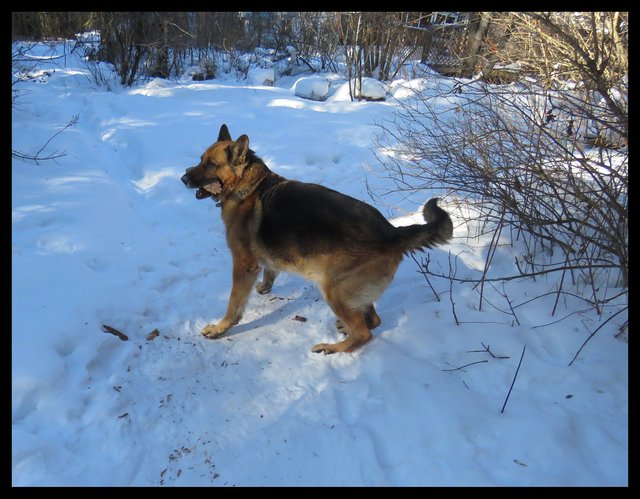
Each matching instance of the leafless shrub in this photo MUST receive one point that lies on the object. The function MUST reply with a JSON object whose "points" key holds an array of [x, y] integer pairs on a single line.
{"points": [[25, 66], [314, 38], [375, 44], [124, 43], [46, 25], [588, 50], [52, 156], [161, 44], [523, 156]]}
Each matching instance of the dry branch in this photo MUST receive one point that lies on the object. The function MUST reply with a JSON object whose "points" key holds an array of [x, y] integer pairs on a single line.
{"points": [[594, 333], [466, 365], [488, 350], [514, 380], [115, 332]]}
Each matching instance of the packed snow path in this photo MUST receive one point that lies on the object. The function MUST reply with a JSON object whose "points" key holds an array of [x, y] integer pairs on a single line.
{"points": [[108, 235]]}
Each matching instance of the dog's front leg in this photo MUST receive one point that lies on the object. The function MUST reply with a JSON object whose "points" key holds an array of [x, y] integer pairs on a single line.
{"points": [[245, 273]]}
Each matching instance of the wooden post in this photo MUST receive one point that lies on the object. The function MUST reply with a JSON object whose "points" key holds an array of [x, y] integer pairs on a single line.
{"points": [[478, 24]]}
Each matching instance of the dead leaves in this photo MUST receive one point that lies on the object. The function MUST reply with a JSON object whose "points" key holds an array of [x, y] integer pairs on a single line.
{"points": [[153, 335], [115, 332], [123, 337]]}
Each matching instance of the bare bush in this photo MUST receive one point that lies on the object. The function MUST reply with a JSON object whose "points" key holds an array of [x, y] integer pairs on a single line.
{"points": [[46, 25], [314, 36], [24, 66], [588, 50], [39, 156], [161, 44], [376, 44], [523, 156], [124, 42]]}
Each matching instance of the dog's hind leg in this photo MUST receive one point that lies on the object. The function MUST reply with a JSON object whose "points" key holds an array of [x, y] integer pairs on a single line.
{"points": [[245, 273], [357, 333], [269, 275], [354, 321], [350, 291], [371, 317]]}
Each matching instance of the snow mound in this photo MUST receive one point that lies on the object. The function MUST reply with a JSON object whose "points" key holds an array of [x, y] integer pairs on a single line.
{"points": [[260, 76], [404, 89], [313, 88], [373, 89]]}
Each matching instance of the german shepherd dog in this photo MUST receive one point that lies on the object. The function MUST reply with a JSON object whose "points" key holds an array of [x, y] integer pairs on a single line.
{"points": [[343, 245]]}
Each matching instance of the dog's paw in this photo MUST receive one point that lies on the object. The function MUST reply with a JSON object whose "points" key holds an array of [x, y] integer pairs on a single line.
{"points": [[326, 348], [213, 330], [263, 288]]}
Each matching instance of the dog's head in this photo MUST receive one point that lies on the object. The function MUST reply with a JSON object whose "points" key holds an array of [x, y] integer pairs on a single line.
{"points": [[220, 168]]}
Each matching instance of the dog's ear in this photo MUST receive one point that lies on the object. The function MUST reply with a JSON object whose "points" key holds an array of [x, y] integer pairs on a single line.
{"points": [[239, 150], [239, 154], [224, 133]]}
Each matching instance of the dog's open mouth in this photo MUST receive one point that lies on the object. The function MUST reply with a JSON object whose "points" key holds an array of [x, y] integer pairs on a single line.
{"points": [[210, 190]]}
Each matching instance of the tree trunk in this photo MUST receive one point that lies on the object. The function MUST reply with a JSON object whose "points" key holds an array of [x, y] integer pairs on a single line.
{"points": [[427, 41], [478, 25]]}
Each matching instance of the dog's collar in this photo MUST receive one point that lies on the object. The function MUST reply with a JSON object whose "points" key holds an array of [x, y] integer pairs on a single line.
{"points": [[242, 194], [274, 181]]}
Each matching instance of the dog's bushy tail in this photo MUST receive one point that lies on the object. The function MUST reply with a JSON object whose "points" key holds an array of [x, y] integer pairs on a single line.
{"points": [[438, 230]]}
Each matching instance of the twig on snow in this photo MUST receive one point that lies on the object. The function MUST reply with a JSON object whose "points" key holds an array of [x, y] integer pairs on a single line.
{"points": [[115, 332], [488, 350], [36, 157], [514, 380], [593, 334], [466, 365]]}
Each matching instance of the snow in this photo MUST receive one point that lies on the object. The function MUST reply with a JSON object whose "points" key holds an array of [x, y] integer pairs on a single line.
{"points": [[108, 235], [373, 89], [312, 87], [260, 76]]}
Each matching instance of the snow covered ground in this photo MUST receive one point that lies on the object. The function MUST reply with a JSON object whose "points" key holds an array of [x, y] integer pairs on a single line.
{"points": [[108, 235]]}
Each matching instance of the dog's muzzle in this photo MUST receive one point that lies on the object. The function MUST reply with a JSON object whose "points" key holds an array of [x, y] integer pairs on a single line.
{"points": [[186, 180], [212, 189]]}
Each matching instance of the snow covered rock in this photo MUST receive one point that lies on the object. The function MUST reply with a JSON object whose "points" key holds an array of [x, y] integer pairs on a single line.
{"points": [[260, 76], [313, 87], [373, 89]]}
